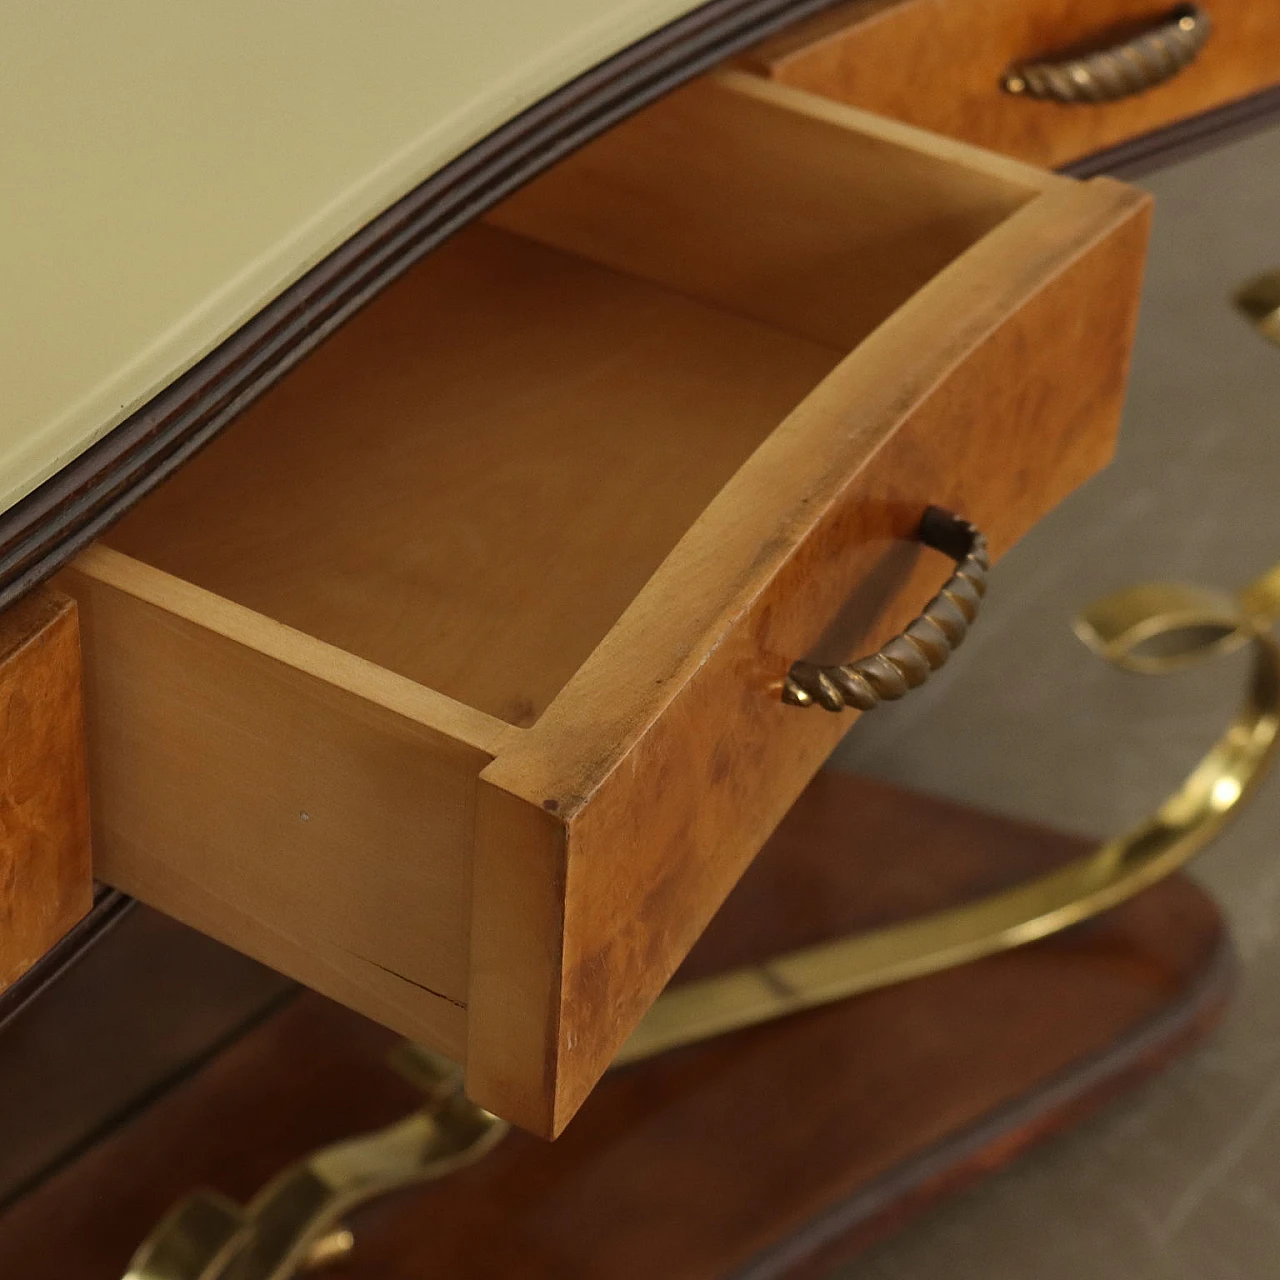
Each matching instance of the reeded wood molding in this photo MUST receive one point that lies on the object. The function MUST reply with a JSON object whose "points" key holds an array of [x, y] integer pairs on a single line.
{"points": [[43, 531]]}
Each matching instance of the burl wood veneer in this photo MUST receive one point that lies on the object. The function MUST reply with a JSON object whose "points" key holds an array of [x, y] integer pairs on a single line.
{"points": [[940, 64], [46, 879], [769, 1153]]}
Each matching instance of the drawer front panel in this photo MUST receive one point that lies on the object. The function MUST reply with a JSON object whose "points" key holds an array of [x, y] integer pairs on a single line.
{"points": [[974, 410], [940, 64], [45, 878], [734, 349]]}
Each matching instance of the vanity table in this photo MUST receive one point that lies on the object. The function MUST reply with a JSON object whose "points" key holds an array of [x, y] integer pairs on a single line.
{"points": [[440, 578]]}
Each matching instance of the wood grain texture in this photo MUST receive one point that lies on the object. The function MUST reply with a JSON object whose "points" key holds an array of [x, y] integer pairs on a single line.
{"points": [[532, 487], [669, 754], [939, 63], [774, 1152], [284, 797], [152, 1001], [812, 220], [46, 877], [535, 433]]}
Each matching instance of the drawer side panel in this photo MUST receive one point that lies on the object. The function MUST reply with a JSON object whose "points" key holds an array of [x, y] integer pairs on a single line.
{"points": [[939, 64], [296, 821]]}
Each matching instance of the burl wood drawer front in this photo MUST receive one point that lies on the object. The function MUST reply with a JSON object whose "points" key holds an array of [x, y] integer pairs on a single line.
{"points": [[940, 64], [448, 680], [46, 880]]}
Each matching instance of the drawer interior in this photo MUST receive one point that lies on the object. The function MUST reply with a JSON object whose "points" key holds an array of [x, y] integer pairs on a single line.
{"points": [[471, 481], [446, 680]]}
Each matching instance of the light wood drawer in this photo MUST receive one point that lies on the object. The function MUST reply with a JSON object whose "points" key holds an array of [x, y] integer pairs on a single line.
{"points": [[940, 64], [448, 680]]}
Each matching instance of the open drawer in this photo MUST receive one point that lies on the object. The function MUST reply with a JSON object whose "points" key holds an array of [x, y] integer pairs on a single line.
{"points": [[448, 680]]}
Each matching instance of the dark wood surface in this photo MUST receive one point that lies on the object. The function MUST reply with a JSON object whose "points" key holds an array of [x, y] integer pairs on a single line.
{"points": [[46, 881], [109, 906], [771, 1152], [45, 530]]}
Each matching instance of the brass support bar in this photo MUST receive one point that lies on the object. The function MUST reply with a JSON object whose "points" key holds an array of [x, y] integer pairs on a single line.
{"points": [[294, 1223], [1149, 630]]}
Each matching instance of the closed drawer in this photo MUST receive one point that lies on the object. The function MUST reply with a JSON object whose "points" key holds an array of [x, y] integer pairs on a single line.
{"points": [[941, 64], [448, 680]]}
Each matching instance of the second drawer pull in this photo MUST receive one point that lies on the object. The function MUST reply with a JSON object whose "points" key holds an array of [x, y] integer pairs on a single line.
{"points": [[1122, 70], [910, 658]]}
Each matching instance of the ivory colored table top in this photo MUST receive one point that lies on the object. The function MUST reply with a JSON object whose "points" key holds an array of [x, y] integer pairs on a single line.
{"points": [[167, 168]]}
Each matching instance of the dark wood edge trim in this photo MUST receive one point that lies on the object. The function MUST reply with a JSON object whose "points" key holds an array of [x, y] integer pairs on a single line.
{"points": [[1183, 139], [110, 906], [47, 527], [878, 1208]]}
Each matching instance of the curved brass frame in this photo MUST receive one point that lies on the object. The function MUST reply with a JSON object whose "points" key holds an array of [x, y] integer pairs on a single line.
{"points": [[1150, 630], [294, 1223]]}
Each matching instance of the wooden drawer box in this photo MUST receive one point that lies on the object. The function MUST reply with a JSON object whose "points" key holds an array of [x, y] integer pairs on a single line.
{"points": [[448, 680], [940, 64]]}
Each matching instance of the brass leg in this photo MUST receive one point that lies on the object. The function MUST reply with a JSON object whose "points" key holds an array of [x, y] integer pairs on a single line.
{"points": [[294, 1223], [1150, 630], [291, 1225]]}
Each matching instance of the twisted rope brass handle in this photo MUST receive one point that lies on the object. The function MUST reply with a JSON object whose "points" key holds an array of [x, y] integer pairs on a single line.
{"points": [[1149, 630], [1121, 71], [910, 658], [293, 1224]]}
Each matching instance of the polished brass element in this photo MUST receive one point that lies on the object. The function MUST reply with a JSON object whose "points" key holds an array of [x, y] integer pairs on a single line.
{"points": [[1151, 630], [329, 1249], [1122, 70], [1260, 301], [909, 659], [293, 1224]]}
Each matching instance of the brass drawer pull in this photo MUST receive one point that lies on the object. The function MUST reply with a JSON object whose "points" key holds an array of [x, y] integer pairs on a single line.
{"points": [[910, 658], [1154, 629], [1121, 71]]}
